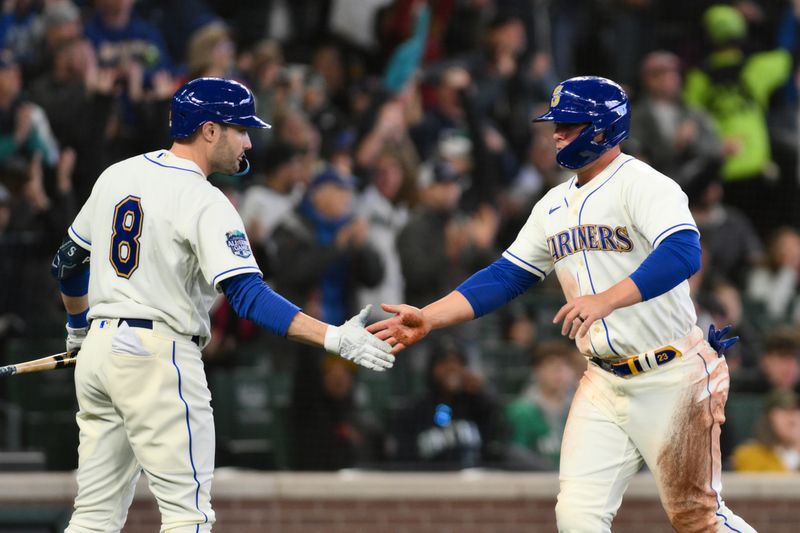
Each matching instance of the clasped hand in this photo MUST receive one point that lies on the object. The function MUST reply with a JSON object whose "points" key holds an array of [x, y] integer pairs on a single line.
{"points": [[353, 342]]}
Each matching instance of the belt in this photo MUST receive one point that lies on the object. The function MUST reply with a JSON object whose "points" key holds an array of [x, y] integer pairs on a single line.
{"points": [[148, 324], [639, 363]]}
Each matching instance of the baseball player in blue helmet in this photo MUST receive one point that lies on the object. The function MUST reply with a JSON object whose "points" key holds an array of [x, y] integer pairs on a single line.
{"points": [[213, 100], [619, 237], [597, 102], [161, 242]]}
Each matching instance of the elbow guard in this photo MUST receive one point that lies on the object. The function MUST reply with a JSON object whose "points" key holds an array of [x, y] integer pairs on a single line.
{"points": [[70, 267]]}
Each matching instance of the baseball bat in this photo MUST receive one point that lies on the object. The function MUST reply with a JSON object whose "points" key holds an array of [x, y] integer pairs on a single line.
{"points": [[59, 360]]}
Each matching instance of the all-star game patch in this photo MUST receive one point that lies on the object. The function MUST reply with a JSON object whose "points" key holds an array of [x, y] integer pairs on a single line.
{"points": [[238, 244]]}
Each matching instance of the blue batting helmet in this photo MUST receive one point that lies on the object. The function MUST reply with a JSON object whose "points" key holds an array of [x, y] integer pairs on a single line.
{"points": [[212, 100], [598, 102]]}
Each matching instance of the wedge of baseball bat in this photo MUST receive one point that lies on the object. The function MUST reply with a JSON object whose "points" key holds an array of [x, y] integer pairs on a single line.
{"points": [[59, 360]]}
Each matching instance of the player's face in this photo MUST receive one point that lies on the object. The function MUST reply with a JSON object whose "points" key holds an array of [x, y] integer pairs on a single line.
{"points": [[566, 133], [227, 153]]}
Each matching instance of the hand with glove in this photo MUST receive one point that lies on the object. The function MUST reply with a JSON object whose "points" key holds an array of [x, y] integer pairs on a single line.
{"points": [[75, 338], [353, 342], [77, 328], [716, 341]]}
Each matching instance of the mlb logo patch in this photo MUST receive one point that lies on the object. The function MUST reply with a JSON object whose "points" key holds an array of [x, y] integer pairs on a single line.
{"points": [[238, 244]]}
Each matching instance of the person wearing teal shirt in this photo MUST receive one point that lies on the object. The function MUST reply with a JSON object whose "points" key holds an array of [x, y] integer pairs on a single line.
{"points": [[537, 417]]}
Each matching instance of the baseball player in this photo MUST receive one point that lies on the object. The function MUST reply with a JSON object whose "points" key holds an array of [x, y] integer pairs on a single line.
{"points": [[160, 243], [622, 243]]}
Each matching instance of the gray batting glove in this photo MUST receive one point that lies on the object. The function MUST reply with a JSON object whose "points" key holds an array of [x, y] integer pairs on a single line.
{"points": [[75, 337], [354, 343]]}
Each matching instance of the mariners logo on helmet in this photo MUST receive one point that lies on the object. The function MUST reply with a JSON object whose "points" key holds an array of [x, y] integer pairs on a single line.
{"points": [[598, 102], [556, 96]]}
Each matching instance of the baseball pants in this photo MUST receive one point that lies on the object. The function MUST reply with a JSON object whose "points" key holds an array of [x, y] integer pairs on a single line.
{"points": [[669, 418], [144, 405]]}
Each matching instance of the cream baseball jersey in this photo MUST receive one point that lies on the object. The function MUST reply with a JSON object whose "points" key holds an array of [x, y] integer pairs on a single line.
{"points": [[161, 239], [596, 235]]}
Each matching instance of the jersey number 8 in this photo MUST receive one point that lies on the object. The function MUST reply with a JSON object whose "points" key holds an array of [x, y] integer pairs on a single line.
{"points": [[124, 253]]}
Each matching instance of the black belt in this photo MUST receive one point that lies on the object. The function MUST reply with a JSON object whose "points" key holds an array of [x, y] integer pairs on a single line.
{"points": [[148, 324]]}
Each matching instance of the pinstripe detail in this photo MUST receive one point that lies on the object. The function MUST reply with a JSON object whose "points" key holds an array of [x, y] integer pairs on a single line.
{"points": [[710, 451], [586, 258], [189, 429]]}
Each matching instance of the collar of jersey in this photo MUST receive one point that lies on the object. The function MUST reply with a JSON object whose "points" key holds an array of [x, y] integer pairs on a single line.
{"points": [[167, 159], [601, 178]]}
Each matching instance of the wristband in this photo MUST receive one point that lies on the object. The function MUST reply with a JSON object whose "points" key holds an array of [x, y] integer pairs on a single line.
{"points": [[78, 320], [333, 337]]}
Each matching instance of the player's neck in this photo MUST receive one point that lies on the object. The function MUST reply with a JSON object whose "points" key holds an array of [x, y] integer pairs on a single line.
{"points": [[590, 171], [188, 151]]}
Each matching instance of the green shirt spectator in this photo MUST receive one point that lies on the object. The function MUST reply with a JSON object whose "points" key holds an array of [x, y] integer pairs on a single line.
{"points": [[536, 419]]}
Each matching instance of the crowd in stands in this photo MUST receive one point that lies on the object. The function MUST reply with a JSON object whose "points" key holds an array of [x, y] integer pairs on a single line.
{"points": [[401, 158]]}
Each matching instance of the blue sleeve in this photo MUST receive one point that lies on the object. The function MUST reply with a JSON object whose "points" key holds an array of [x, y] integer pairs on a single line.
{"points": [[252, 299], [674, 260], [496, 285], [75, 286]]}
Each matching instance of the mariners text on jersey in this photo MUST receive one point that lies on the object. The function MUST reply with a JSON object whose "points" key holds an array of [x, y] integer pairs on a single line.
{"points": [[589, 237]]}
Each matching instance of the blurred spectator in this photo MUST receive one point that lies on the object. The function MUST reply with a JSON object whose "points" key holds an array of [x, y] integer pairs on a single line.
{"points": [[323, 252], [538, 173], [134, 50], [10, 322], [385, 204], [76, 91], [24, 128], [122, 37], [21, 28], [445, 113], [439, 241], [61, 21], [676, 140], [778, 366], [728, 235], [631, 25], [518, 326], [385, 126], [455, 424], [456, 109], [406, 58], [211, 52], [504, 79], [776, 447], [272, 197], [735, 87], [293, 127], [537, 417], [37, 217], [774, 284], [328, 431]]}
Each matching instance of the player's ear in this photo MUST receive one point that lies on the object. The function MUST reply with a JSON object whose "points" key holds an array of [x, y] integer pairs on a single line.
{"points": [[209, 131]]}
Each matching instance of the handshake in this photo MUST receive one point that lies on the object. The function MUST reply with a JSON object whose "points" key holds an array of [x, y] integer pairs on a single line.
{"points": [[352, 341]]}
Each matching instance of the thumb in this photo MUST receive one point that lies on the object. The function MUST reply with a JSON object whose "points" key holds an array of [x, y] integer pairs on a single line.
{"points": [[363, 315]]}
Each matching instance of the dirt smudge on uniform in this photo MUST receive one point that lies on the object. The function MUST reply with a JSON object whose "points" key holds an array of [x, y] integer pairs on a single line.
{"points": [[690, 459]]}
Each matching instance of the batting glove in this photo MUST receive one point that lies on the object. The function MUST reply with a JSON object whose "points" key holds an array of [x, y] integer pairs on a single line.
{"points": [[75, 337], [716, 341], [354, 343]]}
